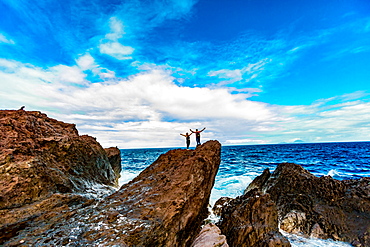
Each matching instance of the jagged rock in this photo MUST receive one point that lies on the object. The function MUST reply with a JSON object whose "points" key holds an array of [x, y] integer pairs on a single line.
{"points": [[251, 220], [114, 157], [41, 156], [258, 181], [220, 204], [164, 206], [210, 236], [319, 206]]}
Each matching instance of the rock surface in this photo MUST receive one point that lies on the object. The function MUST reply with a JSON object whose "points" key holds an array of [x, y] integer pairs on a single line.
{"points": [[318, 206], [164, 206], [251, 220], [114, 157], [41, 156], [210, 236]]}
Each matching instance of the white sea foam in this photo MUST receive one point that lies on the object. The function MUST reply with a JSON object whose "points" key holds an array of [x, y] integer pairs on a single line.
{"points": [[127, 176], [333, 173], [299, 241], [96, 191], [232, 186]]}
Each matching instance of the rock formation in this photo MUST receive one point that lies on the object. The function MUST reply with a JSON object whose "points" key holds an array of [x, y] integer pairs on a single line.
{"points": [[41, 156], [45, 165], [114, 157], [251, 220], [318, 206], [210, 236]]}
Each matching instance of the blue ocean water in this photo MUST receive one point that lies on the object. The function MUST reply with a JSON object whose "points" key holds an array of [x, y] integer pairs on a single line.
{"points": [[241, 164]]}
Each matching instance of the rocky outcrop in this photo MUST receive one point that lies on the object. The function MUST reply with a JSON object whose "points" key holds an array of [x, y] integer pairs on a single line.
{"points": [[114, 157], [251, 220], [318, 206], [164, 206], [210, 236], [41, 156]]}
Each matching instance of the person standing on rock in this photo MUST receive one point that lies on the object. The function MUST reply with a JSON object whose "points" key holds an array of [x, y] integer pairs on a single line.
{"points": [[187, 136], [197, 135]]}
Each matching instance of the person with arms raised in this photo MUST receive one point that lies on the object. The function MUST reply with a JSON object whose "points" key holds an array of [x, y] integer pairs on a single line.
{"points": [[197, 135]]}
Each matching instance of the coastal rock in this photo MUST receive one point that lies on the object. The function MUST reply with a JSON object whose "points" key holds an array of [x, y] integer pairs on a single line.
{"points": [[41, 156], [251, 220], [164, 206], [319, 206], [210, 236], [114, 157], [220, 204]]}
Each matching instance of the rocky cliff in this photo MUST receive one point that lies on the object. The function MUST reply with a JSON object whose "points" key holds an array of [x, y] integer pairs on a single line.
{"points": [[45, 165], [318, 206], [41, 156]]}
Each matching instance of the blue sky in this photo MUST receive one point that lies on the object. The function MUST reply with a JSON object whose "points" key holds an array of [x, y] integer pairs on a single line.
{"points": [[137, 73]]}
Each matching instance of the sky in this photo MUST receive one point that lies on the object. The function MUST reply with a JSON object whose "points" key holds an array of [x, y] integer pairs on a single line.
{"points": [[137, 73]]}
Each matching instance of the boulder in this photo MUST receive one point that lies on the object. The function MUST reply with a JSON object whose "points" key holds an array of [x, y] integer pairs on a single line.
{"points": [[164, 206], [210, 236], [319, 207], [251, 220]]}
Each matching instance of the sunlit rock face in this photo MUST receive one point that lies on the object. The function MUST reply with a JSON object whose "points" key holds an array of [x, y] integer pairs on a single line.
{"points": [[251, 220], [164, 206], [210, 236], [41, 156], [320, 207]]}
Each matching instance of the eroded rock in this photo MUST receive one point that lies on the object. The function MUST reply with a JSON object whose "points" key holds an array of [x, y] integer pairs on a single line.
{"points": [[210, 236], [114, 157], [164, 206], [251, 220], [41, 156], [319, 206]]}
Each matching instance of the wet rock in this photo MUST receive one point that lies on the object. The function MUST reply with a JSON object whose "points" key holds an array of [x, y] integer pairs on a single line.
{"points": [[41, 156], [251, 220], [220, 204], [258, 181], [210, 236], [319, 206], [164, 206]]}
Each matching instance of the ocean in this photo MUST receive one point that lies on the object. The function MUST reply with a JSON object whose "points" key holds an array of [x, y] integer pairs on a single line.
{"points": [[241, 164]]}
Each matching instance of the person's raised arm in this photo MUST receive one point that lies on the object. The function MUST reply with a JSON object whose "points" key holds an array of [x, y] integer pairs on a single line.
{"points": [[192, 131], [203, 129]]}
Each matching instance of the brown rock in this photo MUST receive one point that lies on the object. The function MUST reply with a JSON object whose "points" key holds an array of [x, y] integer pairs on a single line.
{"points": [[220, 204], [251, 220], [41, 156], [210, 236], [114, 157], [320, 206], [164, 206]]}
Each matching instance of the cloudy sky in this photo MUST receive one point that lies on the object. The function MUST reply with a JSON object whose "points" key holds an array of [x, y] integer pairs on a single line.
{"points": [[137, 73]]}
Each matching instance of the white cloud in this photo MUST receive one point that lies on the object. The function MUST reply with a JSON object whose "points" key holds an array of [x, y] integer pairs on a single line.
{"points": [[247, 73], [4, 39], [110, 45], [86, 62], [69, 74], [116, 50], [150, 110]]}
